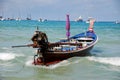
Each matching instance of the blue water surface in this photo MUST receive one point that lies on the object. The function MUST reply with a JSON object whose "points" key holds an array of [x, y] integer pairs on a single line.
{"points": [[16, 63]]}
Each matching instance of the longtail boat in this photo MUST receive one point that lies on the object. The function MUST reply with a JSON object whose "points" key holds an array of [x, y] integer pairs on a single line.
{"points": [[77, 45]]}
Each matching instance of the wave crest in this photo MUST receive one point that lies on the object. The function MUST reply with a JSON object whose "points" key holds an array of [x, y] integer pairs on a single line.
{"points": [[106, 60], [8, 56], [54, 66]]}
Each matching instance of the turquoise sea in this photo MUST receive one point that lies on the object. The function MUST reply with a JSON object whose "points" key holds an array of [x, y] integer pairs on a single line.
{"points": [[15, 63]]}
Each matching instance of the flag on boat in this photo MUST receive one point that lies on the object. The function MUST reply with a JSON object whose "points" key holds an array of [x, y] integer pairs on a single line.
{"points": [[67, 27], [91, 25]]}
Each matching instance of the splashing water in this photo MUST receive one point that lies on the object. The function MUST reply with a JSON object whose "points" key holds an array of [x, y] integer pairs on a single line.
{"points": [[106, 60], [62, 63], [8, 56], [53, 66]]}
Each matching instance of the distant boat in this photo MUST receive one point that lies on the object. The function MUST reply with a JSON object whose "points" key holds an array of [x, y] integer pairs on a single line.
{"points": [[117, 22], [28, 18], [79, 19], [42, 20], [1, 18], [45, 20], [10, 19], [18, 19]]}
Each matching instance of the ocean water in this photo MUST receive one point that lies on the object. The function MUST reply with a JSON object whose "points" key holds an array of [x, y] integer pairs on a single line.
{"points": [[16, 63]]}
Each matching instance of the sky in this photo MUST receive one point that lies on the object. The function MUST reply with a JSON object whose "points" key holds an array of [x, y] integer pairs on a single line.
{"points": [[101, 10]]}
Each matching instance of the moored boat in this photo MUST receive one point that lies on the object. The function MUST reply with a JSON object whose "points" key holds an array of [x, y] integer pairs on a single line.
{"points": [[79, 19], [117, 22]]}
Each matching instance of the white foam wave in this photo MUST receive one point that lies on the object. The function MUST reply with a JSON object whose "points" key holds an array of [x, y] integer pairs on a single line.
{"points": [[5, 48], [29, 63], [8, 56], [54, 66], [62, 63], [106, 60]]}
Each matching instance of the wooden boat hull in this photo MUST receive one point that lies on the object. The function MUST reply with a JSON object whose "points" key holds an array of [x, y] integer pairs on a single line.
{"points": [[65, 55], [56, 56]]}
